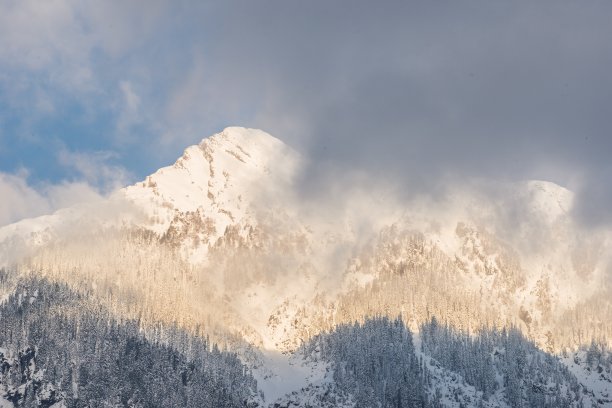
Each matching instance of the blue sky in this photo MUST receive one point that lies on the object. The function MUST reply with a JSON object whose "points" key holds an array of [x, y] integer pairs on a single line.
{"points": [[95, 95]]}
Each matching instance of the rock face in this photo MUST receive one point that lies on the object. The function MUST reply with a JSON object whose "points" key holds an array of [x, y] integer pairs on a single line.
{"points": [[222, 243]]}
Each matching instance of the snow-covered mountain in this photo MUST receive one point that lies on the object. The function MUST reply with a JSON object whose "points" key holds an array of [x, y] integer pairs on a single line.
{"points": [[223, 243]]}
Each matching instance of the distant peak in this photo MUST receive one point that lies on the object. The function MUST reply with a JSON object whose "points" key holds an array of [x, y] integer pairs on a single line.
{"points": [[548, 190]]}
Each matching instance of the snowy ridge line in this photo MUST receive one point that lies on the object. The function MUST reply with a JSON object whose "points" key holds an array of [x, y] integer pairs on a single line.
{"points": [[221, 239]]}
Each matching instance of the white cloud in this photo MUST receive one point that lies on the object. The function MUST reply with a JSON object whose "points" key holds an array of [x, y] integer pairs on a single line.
{"points": [[94, 169], [67, 194], [129, 113], [21, 200], [101, 60], [60, 36], [95, 179], [132, 101], [61, 51], [37, 34]]}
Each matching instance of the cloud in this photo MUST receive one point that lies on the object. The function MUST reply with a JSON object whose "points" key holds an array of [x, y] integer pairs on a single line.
{"points": [[21, 200], [69, 33], [427, 95], [424, 95], [594, 209], [95, 176], [94, 168], [132, 101], [129, 115]]}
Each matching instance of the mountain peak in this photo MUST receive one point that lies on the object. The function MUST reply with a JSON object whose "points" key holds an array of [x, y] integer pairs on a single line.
{"points": [[220, 177], [252, 147]]}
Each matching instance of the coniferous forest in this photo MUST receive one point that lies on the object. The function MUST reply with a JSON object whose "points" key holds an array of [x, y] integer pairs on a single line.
{"points": [[376, 362], [58, 348], [55, 346]]}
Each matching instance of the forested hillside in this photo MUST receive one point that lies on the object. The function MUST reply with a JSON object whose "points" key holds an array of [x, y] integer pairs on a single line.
{"points": [[377, 363], [56, 347]]}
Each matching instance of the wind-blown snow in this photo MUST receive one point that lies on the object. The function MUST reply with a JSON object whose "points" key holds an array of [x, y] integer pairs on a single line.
{"points": [[229, 206]]}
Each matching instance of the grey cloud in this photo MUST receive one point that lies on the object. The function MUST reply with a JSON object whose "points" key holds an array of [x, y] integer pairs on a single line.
{"points": [[419, 92], [422, 93], [594, 205]]}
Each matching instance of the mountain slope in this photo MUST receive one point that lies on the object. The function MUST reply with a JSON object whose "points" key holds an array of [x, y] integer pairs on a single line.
{"points": [[221, 243]]}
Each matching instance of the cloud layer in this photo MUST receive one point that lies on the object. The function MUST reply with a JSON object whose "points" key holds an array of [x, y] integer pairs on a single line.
{"points": [[421, 94]]}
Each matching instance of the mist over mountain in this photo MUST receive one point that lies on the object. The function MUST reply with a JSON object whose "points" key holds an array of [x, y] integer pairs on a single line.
{"points": [[355, 297], [411, 207]]}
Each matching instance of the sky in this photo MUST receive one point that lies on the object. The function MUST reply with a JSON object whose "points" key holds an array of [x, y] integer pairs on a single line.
{"points": [[95, 95]]}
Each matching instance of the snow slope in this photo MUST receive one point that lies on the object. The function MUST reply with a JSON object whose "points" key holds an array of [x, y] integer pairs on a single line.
{"points": [[228, 213]]}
